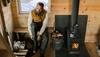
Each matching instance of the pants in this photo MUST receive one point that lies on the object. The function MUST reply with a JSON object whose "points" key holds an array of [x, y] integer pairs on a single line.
{"points": [[35, 27]]}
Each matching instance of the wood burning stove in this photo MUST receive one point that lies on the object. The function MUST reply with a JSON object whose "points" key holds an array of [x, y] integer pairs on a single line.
{"points": [[73, 28], [74, 42], [64, 28]]}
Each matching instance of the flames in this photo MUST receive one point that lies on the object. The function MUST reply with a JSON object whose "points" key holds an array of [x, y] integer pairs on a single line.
{"points": [[75, 45]]}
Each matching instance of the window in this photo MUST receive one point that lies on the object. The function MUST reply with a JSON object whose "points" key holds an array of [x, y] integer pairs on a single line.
{"points": [[27, 5]]}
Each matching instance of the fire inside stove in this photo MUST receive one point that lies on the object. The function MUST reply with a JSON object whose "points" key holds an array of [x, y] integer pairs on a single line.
{"points": [[75, 45]]}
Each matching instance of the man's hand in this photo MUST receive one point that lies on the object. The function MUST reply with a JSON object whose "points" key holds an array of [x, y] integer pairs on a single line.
{"points": [[38, 36], [38, 33]]}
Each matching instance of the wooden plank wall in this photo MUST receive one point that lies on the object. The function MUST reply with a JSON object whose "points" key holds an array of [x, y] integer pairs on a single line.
{"points": [[14, 13], [63, 7], [87, 7]]}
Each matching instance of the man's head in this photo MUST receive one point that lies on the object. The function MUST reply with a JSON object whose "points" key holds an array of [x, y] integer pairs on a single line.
{"points": [[39, 7]]}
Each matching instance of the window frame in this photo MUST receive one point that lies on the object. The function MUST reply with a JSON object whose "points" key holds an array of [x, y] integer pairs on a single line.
{"points": [[19, 8], [26, 12]]}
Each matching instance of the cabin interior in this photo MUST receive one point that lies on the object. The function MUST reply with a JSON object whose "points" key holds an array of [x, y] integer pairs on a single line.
{"points": [[14, 27]]}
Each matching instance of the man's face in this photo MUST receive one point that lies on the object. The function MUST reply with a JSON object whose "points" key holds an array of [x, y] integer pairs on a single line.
{"points": [[38, 9]]}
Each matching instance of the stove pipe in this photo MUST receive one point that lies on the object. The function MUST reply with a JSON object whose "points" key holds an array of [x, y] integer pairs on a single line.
{"points": [[74, 14]]}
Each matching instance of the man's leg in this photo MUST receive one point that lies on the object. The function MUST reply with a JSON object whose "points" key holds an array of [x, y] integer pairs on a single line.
{"points": [[30, 52], [44, 44]]}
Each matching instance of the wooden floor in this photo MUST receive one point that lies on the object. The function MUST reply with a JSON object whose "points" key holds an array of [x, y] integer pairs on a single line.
{"points": [[91, 47], [5, 53], [92, 50]]}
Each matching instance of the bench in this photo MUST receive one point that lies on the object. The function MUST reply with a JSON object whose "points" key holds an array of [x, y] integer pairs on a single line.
{"points": [[18, 30], [25, 30], [21, 30]]}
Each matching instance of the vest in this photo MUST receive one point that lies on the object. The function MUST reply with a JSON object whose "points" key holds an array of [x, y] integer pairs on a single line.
{"points": [[38, 17]]}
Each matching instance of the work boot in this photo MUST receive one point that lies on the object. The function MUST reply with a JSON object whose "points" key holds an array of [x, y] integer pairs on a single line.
{"points": [[41, 55], [30, 53]]}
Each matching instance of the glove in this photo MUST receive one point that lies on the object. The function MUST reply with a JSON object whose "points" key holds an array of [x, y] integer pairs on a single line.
{"points": [[39, 38], [38, 33]]}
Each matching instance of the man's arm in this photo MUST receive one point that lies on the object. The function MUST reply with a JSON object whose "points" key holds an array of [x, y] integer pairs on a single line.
{"points": [[44, 25], [29, 23]]}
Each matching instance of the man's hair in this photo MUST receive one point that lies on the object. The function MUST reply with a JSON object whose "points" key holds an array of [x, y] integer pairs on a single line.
{"points": [[40, 4]]}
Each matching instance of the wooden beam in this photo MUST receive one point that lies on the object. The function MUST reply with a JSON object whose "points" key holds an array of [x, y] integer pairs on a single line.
{"points": [[5, 34], [3, 21]]}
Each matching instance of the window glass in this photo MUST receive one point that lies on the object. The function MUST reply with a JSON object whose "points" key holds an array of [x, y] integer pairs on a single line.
{"points": [[27, 5]]}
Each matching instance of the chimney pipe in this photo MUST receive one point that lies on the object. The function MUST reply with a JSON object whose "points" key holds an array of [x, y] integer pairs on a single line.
{"points": [[75, 10]]}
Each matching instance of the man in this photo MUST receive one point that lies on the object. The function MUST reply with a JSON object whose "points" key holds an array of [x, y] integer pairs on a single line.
{"points": [[37, 23]]}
